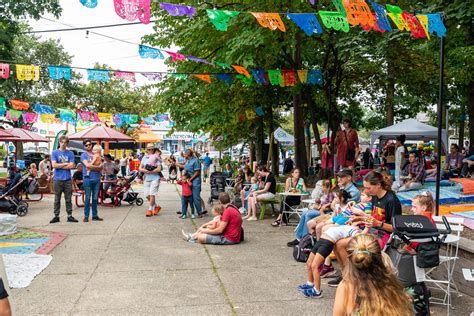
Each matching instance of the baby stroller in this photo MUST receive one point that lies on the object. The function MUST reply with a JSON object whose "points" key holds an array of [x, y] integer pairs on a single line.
{"points": [[425, 240], [217, 180], [123, 191], [10, 196]]}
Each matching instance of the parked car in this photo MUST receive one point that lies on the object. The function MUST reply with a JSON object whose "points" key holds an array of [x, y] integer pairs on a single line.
{"points": [[28, 157]]}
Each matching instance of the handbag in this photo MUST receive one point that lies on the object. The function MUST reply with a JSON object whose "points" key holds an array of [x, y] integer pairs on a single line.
{"points": [[350, 152]]}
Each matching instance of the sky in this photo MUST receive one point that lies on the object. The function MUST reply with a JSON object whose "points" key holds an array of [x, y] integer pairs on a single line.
{"points": [[88, 51]]}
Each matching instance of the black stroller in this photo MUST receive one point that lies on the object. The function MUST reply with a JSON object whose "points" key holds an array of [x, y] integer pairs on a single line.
{"points": [[421, 235], [217, 180], [10, 196]]}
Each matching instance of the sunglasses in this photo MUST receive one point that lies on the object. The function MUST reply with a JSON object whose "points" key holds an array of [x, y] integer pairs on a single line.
{"points": [[88, 145]]}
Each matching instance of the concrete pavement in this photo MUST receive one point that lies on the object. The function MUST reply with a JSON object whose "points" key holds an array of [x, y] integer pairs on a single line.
{"points": [[130, 264]]}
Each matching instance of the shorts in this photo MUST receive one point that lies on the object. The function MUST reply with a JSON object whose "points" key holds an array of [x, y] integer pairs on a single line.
{"points": [[265, 196], [151, 187], [324, 247], [218, 240], [340, 219]]}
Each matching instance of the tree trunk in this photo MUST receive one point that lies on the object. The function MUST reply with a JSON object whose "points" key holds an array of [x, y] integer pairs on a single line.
{"points": [[470, 105], [260, 142], [298, 128], [298, 116], [251, 152], [307, 133], [274, 145], [390, 90], [462, 126]]}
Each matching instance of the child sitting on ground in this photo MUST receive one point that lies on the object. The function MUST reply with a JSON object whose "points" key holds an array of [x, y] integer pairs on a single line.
{"points": [[217, 212], [186, 195], [321, 251]]}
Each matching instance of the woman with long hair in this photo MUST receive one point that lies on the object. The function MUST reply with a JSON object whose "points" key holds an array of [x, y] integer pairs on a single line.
{"points": [[267, 192], [294, 184], [370, 286]]}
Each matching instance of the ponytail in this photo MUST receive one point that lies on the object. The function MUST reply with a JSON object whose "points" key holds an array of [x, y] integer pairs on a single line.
{"points": [[384, 179]]}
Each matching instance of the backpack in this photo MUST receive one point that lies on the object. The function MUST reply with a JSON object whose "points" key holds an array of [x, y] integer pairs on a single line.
{"points": [[33, 186], [302, 250]]}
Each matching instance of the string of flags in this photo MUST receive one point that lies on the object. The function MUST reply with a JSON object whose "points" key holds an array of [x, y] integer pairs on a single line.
{"points": [[22, 111], [274, 77], [348, 13]]}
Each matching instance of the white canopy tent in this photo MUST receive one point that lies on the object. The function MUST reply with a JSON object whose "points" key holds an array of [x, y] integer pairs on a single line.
{"points": [[284, 137], [412, 129]]}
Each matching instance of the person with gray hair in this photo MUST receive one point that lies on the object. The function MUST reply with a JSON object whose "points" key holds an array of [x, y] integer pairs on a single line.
{"points": [[63, 161], [193, 167]]}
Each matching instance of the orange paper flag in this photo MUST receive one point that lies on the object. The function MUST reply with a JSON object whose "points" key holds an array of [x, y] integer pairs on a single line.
{"points": [[271, 21], [241, 70], [19, 105], [206, 78]]}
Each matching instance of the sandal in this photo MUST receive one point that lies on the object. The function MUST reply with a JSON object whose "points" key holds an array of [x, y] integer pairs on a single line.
{"points": [[276, 223]]}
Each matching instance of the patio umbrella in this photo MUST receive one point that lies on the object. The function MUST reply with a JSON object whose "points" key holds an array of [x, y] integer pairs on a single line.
{"points": [[6, 136], [101, 133], [26, 136]]}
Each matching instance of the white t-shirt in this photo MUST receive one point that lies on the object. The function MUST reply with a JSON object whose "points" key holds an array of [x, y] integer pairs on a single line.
{"points": [[340, 232], [123, 162], [398, 159]]}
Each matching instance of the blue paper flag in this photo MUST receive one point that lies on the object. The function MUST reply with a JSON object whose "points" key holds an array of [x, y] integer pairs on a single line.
{"points": [[66, 115], [259, 75], [89, 3], [307, 22], [98, 75], [381, 17], [42, 109], [150, 52], [57, 73], [149, 120], [436, 25], [315, 77], [225, 77], [259, 111]]}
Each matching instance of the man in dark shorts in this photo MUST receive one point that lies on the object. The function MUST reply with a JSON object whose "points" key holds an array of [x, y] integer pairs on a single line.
{"points": [[229, 229]]}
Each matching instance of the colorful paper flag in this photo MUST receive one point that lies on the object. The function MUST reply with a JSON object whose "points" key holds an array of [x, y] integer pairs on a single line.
{"points": [[131, 10], [57, 73], [20, 105], [206, 78], [221, 18], [149, 52], [271, 21], [334, 20], [178, 10], [241, 70], [98, 75], [307, 22], [4, 71], [27, 72], [125, 75], [89, 3]]}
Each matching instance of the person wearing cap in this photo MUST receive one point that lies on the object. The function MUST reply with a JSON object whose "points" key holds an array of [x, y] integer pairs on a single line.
{"points": [[110, 170], [344, 181], [347, 145], [151, 168]]}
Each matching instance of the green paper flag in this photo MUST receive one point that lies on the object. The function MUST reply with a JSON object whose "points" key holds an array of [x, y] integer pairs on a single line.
{"points": [[134, 118], [180, 76], [247, 81], [224, 65], [334, 20], [220, 18], [276, 78]]}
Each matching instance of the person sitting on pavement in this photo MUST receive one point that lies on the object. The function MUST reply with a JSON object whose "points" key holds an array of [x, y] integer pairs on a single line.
{"points": [[453, 163], [294, 184], [217, 212], [268, 192], [413, 175], [468, 166], [370, 285], [229, 229]]}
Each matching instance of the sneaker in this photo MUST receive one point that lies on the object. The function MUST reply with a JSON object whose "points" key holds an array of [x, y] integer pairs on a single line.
{"points": [[97, 218], [193, 216], [183, 216], [335, 282], [157, 210], [304, 287], [149, 214], [293, 243], [72, 219], [85, 220], [327, 271], [185, 235], [311, 293], [54, 220]]}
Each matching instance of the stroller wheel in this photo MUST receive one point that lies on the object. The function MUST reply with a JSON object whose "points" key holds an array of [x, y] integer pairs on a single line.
{"points": [[22, 210], [139, 201]]}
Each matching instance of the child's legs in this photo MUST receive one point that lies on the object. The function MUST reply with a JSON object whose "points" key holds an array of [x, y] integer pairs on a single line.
{"points": [[311, 225], [309, 263], [191, 204], [318, 260], [184, 205], [319, 229]]}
